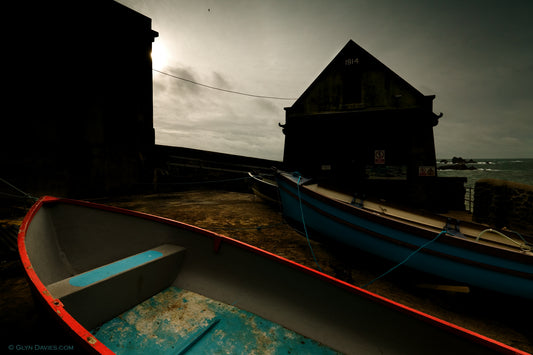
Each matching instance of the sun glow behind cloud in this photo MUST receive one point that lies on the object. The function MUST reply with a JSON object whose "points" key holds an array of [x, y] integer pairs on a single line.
{"points": [[160, 55]]}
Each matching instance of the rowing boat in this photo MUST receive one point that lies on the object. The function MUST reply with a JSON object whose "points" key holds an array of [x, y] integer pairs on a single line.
{"points": [[127, 282], [264, 186], [466, 253]]}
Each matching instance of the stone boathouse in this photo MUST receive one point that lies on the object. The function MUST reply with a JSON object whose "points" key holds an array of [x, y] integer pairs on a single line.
{"points": [[361, 128]]}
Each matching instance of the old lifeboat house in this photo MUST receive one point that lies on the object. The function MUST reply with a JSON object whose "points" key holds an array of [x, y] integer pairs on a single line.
{"points": [[361, 128]]}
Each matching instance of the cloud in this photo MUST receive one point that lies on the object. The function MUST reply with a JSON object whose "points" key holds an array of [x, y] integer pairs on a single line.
{"points": [[482, 134], [220, 82], [193, 116]]}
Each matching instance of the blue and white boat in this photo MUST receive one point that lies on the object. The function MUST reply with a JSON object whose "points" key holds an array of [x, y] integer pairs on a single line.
{"points": [[467, 253]]}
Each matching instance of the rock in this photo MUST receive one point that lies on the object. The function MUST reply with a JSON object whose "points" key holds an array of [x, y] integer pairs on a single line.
{"points": [[458, 160], [458, 163]]}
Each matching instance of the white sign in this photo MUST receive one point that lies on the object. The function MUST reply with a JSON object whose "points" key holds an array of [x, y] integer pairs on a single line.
{"points": [[426, 171], [379, 157]]}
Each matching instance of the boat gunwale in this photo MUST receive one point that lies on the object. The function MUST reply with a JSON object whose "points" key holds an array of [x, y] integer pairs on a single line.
{"points": [[255, 177], [91, 343]]}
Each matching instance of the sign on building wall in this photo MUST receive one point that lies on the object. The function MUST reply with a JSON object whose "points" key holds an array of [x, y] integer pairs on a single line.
{"points": [[426, 171], [379, 156]]}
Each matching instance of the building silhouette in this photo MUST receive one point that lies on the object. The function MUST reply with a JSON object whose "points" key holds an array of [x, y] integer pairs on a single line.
{"points": [[361, 128], [81, 121]]}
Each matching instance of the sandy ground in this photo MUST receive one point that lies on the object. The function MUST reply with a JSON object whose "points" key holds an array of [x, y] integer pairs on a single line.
{"points": [[245, 217]]}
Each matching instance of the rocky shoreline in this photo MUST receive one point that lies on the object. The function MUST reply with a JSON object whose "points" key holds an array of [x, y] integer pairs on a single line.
{"points": [[457, 163]]}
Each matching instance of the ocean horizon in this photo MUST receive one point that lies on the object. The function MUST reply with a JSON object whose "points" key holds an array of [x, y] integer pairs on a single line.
{"points": [[516, 170]]}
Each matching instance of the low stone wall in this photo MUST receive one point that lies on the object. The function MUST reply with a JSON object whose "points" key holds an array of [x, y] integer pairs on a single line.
{"points": [[503, 203]]}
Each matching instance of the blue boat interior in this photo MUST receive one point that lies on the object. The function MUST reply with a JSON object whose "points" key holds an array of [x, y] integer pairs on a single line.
{"points": [[177, 321], [173, 321]]}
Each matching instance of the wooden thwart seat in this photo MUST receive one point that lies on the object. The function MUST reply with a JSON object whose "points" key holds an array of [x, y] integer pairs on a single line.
{"points": [[98, 295]]}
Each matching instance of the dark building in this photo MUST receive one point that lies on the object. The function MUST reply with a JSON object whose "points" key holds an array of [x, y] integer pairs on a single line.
{"points": [[80, 98], [361, 128]]}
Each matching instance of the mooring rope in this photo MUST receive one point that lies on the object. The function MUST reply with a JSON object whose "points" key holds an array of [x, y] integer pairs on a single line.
{"points": [[523, 246], [405, 260], [303, 222], [25, 195]]}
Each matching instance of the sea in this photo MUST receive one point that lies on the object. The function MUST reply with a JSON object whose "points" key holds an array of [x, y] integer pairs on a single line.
{"points": [[516, 170]]}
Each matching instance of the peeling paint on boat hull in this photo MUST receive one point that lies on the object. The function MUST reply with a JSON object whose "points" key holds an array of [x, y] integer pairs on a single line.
{"points": [[178, 321]]}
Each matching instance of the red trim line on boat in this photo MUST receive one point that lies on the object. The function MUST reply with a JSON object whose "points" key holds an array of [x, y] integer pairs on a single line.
{"points": [[87, 340]]}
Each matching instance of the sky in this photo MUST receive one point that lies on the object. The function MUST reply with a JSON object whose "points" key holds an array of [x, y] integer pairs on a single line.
{"points": [[476, 56]]}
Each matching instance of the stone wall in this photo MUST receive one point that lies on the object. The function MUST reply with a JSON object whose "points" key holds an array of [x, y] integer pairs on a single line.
{"points": [[503, 203], [84, 125]]}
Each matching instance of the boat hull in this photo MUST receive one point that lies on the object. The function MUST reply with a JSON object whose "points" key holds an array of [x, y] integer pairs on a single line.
{"points": [[80, 256], [418, 247], [265, 187]]}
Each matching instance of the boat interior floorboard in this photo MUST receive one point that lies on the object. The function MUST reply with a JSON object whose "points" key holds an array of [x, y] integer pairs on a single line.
{"points": [[179, 321]]}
